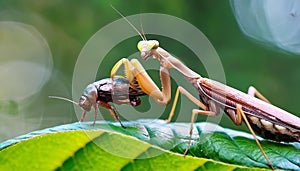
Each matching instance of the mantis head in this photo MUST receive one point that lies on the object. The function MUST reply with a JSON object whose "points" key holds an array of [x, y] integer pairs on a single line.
{"points": [[146, 47]]}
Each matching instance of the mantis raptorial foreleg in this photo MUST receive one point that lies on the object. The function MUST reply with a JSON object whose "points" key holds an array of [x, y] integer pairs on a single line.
{"points": [[133, 69]]}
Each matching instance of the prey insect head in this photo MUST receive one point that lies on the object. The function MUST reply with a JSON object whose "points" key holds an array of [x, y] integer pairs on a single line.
{"points": [[88, 98], [146, 46], [85, 103]]}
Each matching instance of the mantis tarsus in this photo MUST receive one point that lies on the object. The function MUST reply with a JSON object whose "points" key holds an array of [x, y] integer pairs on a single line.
{"points": [[268, 120]]}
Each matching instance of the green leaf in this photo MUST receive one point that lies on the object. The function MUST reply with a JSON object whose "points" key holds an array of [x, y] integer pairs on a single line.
{"points": [[79, 150], [107, 145]]}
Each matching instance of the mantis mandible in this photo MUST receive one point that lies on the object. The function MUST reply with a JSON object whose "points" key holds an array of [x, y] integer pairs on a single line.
{"points": [[268, 120]]}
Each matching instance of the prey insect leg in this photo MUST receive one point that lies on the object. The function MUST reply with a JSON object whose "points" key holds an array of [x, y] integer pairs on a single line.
{"points": [[96, 113], [113, 112], [83, 116]]}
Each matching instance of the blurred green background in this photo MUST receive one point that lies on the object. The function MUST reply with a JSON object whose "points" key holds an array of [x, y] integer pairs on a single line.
{"points": [[61, 29]]}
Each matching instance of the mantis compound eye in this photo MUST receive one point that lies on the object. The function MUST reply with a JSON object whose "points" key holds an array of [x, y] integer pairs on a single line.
{"points": [[139, 45]]}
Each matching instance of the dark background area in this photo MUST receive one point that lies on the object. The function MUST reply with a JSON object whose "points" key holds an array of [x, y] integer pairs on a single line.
{"points": [[68, 25]]}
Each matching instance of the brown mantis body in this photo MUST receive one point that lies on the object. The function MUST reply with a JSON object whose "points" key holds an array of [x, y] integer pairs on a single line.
{"points": [[216, 96], [268, 120]]}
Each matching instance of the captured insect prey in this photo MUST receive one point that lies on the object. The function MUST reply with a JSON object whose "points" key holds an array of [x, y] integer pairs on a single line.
{"points": [[118, 91]]}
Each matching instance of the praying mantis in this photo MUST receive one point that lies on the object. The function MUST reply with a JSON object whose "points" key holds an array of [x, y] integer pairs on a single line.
{"points": [[258, 113]]}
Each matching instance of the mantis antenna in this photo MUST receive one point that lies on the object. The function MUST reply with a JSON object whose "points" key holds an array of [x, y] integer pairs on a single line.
{"points": [[128, 22], [143, 33]]}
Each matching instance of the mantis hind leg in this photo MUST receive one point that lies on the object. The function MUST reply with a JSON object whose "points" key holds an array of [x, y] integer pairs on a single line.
{"points": [[252, 91], [240, 112]]}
